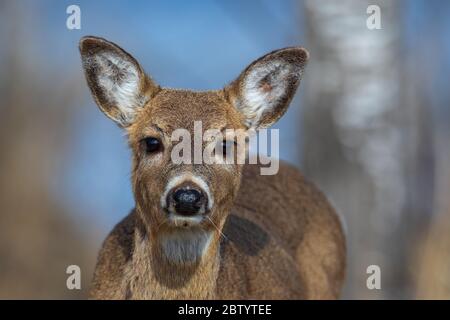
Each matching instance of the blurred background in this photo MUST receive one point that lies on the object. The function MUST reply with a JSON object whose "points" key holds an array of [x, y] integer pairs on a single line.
{"points": [[370, 125]]}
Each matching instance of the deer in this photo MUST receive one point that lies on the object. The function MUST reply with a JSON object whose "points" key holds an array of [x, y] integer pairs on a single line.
{"points": [[211, 231]]}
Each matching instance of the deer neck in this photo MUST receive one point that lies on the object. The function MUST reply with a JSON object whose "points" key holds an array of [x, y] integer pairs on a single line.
{"points": [[180, 265]]}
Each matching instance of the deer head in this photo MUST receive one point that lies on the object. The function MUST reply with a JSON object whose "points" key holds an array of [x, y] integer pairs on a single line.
{"points": [[184, 205]]}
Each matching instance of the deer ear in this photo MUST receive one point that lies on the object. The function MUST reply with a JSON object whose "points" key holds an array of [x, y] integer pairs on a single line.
{"points": [[116, 80], [263, 91]]}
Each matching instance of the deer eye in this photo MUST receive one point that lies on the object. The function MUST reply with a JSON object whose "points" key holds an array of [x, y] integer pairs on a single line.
{"points": [[152, 145], [227, 147]]}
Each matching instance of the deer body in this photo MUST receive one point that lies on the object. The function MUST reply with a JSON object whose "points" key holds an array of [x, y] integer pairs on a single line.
{"points": [[271, 249], [211, 231]]}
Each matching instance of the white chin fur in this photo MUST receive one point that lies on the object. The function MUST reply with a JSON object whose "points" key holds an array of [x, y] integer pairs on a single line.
{"points": [[181, 221], [186, 245]]}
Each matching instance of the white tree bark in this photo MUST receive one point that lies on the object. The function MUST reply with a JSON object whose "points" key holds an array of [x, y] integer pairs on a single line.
{"points": [[360, 138]]}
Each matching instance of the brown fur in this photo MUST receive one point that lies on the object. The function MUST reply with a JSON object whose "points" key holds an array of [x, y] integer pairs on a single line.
{"points": [[275, 246], [273, 237]]}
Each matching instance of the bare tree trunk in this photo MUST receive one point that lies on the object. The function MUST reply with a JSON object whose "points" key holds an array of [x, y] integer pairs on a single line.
{"points": [[361, 138]]}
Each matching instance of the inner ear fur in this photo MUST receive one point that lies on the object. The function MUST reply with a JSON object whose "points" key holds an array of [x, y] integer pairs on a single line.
{"points": [[116, 80], [263, 91]]}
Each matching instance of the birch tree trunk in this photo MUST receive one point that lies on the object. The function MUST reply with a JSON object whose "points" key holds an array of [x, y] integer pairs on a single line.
{"points": [[360, 137]]}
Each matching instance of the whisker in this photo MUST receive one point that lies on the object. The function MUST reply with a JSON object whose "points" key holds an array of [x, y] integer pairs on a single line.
{"points": [[220, 232]]}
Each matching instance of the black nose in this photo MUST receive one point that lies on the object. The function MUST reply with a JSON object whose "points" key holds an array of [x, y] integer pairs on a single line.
{"points": [[187, 201]]}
